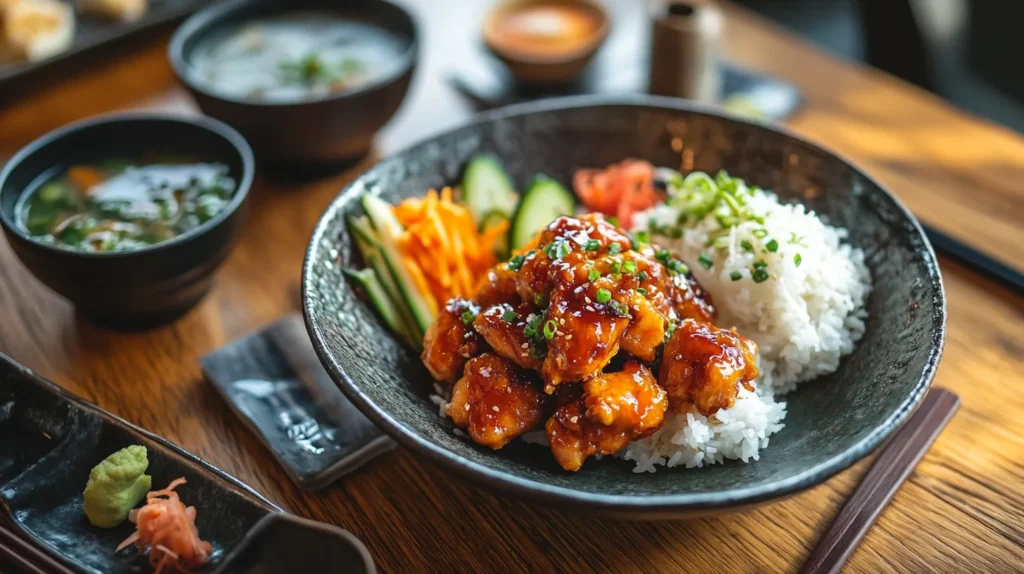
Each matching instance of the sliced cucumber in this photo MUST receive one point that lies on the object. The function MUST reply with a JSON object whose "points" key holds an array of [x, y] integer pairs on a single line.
{"points": [[491, 219], [487, 188], [368, 244], [371, 284], [388, 230], [544, 201]]}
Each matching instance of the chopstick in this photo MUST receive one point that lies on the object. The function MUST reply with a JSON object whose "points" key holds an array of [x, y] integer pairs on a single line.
{"points": [[878, 486], [976, 260], [25, 556]]}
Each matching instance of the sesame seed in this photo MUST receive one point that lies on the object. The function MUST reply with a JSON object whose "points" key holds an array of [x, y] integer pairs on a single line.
{"points": [[525, 345], [495, 408], [587, 299], [467, 407], [568, 337], [561, 321], [574, 419]]}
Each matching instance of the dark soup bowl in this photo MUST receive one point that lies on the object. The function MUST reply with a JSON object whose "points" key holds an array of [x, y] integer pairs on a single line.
{"points": [[287, 129], [832, 422], [151, 284]]}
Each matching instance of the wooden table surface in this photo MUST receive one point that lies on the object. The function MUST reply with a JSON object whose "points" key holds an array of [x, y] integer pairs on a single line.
{"points": [[962, 510]]}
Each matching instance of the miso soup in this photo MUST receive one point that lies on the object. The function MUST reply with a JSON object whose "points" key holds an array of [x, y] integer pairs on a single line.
{"points": [[122, 205]]}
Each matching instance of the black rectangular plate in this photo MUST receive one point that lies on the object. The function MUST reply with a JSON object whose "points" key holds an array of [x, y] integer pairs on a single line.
{"points": [[274, 382], [49, 441], [92, 34]]}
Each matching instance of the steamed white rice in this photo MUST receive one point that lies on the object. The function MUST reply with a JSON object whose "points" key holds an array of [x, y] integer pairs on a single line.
{"points": [[805, 312]]}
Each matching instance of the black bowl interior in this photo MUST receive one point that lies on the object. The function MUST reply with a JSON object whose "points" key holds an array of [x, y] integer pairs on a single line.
{"points": [[127, 136], [228, 14], [832, 422]]}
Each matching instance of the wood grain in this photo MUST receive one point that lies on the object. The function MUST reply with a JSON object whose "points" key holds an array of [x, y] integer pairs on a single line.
{"points": [[963, 510]]}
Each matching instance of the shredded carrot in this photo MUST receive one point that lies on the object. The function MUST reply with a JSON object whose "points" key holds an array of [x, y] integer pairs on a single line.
{"points": [[85, 177], [442, 248], [168, 528]]}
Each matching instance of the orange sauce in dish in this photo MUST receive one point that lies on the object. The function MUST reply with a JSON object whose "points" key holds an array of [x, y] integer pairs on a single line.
{"points": [[546, 29]]}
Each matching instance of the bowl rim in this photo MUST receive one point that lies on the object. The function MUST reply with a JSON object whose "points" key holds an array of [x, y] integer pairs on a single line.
{"points": [[211, 126], [205, 20], [626, 503], [589, 48]]}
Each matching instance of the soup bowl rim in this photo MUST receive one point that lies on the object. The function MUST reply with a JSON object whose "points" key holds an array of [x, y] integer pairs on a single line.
{"points": [[211, 126]]}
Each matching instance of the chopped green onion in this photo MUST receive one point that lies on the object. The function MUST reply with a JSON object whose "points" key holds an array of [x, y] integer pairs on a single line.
{"points": [[677, 266], [603, 295], [509, 316], [516, 263], [620, 309], [467, 317], [797, 260], [557, 249], [759, 275], [629, 266], [531, 326], [593, 275], [641, 291], [614, 249], [549, 329], [662, 255], [747, 246], [705, 261], [642, 276], [616, 266], [593, 245], [772, 246], [540, 300], [641, 238], [735, 276], [760, 233], [613, 220], [760, 264]]}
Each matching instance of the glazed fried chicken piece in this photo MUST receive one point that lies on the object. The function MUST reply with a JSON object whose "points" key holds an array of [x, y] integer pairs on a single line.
{"points": [[497, 287], [496, 401], [586, 336], [451, 340], [690, 300], [646, 332], [615, 409], [705, 366], [504, 329]]}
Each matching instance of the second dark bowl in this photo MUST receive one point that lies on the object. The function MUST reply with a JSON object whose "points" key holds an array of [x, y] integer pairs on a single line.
{"points": [[315, 131], [144, 287]]}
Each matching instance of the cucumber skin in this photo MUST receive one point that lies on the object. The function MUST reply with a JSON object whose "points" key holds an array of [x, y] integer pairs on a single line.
{"points": [[368, 244], [378, 296], [481, 168], [384, 222], [516, 238]]}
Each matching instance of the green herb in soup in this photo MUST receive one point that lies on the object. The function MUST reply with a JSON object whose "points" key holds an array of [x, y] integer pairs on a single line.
{"points": [[120, 205], [295, 56]]}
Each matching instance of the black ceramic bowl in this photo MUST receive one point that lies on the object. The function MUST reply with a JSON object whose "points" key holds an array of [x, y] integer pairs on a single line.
{"points": [[145, 287], [832, 422], [315, 131]]}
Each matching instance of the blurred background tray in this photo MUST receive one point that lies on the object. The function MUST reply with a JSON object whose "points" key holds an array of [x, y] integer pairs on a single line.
{"points": [[94, 36]]}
